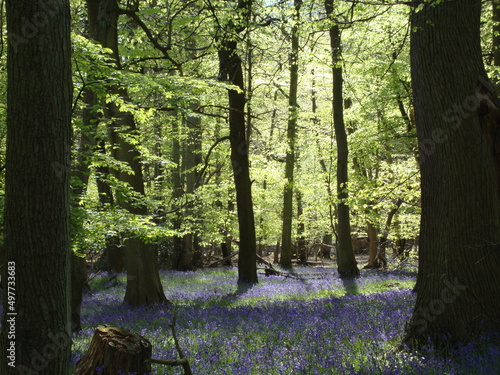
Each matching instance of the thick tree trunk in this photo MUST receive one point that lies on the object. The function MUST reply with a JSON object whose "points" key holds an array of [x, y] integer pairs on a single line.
{"points": [[458, 285], [231, 70], [286, 238], [36, 329], [346, 262], [247, 266], [143, 281]]}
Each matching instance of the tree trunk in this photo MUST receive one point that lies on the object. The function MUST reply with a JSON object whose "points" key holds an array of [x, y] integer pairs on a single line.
{"points": [[325, 250], [383, 242], [191, 161], [291, 134], [115, 350], [372, 247], [277, 252], [78, 282], [458, 284], [226, 252], [231, 70], [301, 240], [346, 262], [143, 281], [178, 249], [496, 32], [36, 328]]}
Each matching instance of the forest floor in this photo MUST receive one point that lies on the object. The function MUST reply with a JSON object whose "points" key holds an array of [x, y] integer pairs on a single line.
{"points": [[310, 323]]}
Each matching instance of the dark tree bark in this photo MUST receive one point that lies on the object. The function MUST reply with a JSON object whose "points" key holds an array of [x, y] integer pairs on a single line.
{"points": [[327, 238], [231, 70], [301, 239], [458, 284], [291, 134], [178, 251], [78, 283], [383, 241], [187, 250], [325, 249], [36, 267], [277, 252], [496, 32], [374, 260], [346, 262], [192, 160]]}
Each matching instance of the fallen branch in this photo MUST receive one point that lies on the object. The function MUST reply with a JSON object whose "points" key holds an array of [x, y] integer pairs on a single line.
{"points": [[263, 261], [182, 361], [168, 362], [271, 271], [185, 365], [219, 261]]}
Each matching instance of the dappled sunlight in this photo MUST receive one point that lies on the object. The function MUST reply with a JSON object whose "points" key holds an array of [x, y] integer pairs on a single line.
{"points": [[314, 324]]}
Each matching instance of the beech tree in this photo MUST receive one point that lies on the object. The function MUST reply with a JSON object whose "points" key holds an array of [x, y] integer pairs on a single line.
{"points": [[456, 111], [231, 70], [346, 262], [293, 109], [36, 330], [143, 281]]}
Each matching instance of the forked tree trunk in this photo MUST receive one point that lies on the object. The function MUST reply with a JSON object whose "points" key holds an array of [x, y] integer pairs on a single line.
{"points": [[346, 262], [458, 285]]}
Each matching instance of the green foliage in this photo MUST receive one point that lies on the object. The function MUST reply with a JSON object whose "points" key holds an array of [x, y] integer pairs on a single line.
{"points": [[169, 70]]}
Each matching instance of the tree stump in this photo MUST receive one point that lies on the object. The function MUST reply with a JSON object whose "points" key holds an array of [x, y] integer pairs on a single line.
{"points": [[114, 349]]}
